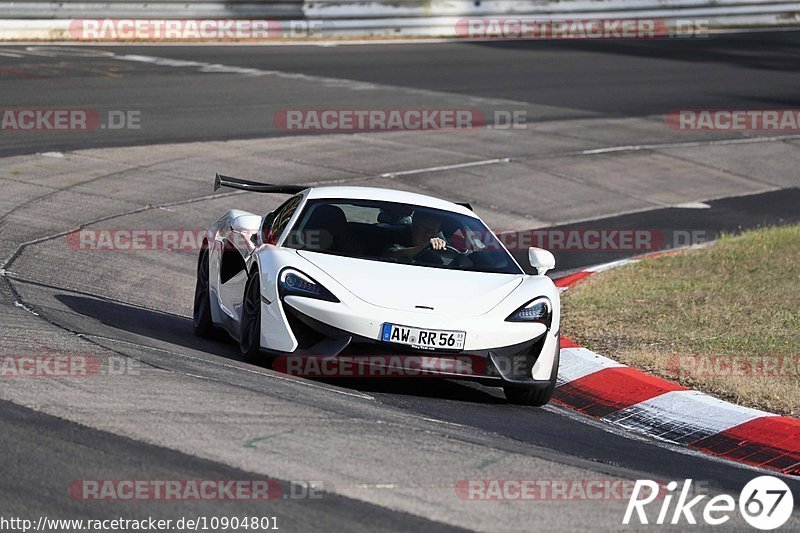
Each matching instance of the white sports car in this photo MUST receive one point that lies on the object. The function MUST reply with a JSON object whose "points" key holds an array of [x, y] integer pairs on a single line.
{"points": [[334, 272]]}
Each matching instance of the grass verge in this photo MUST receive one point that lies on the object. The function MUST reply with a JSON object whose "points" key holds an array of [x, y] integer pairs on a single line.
{"points": [[724, 319]]}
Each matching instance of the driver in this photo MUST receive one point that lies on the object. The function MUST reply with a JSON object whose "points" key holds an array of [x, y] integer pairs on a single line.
{"points": [[425, 231]]}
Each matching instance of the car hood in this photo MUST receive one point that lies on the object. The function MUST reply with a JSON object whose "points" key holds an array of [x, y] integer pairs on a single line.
{"points": [[417, 288]]}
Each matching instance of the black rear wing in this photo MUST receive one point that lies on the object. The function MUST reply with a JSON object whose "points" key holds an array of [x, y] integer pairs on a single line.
{"points": [[254, 186]]}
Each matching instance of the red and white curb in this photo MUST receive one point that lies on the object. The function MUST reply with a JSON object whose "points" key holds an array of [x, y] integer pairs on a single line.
{"points": [[637, 401]]}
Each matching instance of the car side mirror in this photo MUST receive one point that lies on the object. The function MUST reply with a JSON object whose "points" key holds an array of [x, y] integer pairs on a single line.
{"points": [[541, 260], [246, 223]]}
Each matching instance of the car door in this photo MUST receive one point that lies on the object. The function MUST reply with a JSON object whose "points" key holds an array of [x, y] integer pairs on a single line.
{"points": [[229, 271]]}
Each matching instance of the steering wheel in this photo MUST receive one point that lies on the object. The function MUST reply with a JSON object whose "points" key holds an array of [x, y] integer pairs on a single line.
{"points": [[458, 254]]}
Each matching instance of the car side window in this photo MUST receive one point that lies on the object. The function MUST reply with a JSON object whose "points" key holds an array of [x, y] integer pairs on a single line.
{"points": [[275, 222]]}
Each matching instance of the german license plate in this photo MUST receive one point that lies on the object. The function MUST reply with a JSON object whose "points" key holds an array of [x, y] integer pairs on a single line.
{"points": [[431, 339]]}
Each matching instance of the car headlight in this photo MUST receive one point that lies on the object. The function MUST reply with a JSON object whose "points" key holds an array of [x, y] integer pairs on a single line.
{"points": [[539, 310], [295, 283]]}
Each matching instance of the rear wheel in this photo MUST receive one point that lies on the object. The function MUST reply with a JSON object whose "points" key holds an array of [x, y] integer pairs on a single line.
{"points": [[201, 317], [250, 334], [535, 397]]}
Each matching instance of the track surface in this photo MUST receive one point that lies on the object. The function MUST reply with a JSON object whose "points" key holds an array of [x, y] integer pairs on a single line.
{"points": [[552, 80], [56, 453], [388, 452]]}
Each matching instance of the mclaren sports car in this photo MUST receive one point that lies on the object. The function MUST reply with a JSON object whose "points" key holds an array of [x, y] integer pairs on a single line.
{"points": [[341, 273]]}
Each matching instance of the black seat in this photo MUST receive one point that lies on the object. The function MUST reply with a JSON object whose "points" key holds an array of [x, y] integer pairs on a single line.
{"points": [[327, 230]]}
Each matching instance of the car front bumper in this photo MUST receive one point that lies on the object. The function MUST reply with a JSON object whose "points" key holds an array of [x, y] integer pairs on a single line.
{"points": [[525, 364]]}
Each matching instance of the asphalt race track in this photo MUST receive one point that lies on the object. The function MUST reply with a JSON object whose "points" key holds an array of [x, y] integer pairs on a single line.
{"points": [[555, 80], [594, 152]]}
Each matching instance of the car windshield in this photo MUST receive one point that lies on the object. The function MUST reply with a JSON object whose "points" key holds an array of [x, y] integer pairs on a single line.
{"points": [[399, 233]]}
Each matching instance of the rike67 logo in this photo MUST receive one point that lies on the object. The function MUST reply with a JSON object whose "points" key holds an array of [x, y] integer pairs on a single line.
{"points": [[765, 503]]}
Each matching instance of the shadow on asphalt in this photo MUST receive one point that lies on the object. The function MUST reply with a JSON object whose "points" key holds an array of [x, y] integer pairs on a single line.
{"points": [[776, 50], [444, 389], [177, 330], [148, 323]]}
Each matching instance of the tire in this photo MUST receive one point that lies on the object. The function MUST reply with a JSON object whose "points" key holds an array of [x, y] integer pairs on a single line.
{"points": [[201, 316], [250, 333], [535, 396]]}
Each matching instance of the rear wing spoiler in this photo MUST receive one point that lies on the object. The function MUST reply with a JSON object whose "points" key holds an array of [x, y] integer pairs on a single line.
{"points": [[254, 186]]}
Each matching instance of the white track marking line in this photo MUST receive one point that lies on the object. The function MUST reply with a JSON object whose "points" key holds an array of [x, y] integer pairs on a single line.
{"points": [[353, 85], [437, 421], [693, 205], [689, 144], [607, 266], [441, 168], [25, 307]]}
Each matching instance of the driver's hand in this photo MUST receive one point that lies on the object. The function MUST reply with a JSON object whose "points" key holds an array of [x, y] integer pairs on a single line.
{"points": [[438, 243]]}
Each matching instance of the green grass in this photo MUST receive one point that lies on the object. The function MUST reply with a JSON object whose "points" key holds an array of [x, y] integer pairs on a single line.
{"points": [[738, 297]]}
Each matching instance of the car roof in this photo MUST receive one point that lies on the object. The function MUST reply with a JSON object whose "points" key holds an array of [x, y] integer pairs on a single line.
{"points": [[387, 195]]}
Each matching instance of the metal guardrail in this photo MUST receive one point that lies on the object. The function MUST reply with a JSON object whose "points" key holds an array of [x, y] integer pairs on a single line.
{"points": [[46, 19], [355, 9], [152, 9], [439, 17]]}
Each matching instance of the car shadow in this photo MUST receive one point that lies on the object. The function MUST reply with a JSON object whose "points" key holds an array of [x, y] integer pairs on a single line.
{"points": [[116, 317], [147, 323], [434, 388]]}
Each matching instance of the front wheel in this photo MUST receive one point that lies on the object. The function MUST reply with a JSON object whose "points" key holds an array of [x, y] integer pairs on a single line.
{"points": [[535, 397], [250, 334]]}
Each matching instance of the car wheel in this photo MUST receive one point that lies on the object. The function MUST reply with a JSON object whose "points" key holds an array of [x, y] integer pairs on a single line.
{"points": [[201, 317], [535, 397], [250, 334]]}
